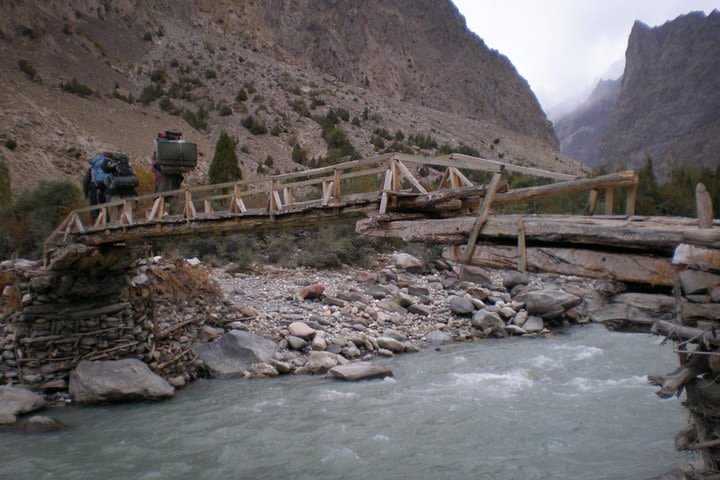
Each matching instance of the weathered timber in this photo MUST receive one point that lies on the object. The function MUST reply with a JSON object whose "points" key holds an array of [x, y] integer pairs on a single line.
{"points": [[683, 333], [651, 233], [704, 206], [624, 267], [483, 214]]}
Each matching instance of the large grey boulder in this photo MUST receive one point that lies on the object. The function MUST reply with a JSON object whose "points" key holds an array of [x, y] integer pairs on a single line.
{"points": [[301, 330], [122, 380], [482, 320], [391, 344], [470, 273], [548, 303], [461, 305], [15, 401], [533, 324], [359, 371], [235, 353], [405, 261], [438, 337]]}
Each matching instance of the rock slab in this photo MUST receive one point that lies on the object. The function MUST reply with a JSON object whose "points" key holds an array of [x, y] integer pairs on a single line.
{"points": [[354, 372], [235, 353], [122, 380], [15, 401]]}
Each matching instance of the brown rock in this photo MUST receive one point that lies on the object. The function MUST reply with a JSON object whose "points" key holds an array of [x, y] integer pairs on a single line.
{"points": [[311, 291]]}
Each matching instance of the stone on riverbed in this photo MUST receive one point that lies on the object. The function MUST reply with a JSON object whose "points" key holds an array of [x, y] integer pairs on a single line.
{"points": [[42, 424], [116, 381], [359, 371], [235, 353], [405, 261], [391, 344], [461, 305], [482, 320], [533, 324], [15, 401], [437, 337], [548, 303], [311, 291], [321, 362], [301, 330]]}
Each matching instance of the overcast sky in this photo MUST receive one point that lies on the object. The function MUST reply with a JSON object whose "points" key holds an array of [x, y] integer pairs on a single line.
{"points": [[562, 47]]}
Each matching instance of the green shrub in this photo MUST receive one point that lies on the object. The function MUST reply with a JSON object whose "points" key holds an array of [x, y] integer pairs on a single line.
{"points": [[241, 95], [158, 76], [10, 144], [224, 165], [197, 119], [256, 127], [73, 86], [279, 248], [210, 73], [333, 246], [343, 114], [299, 154], [147, 37], [300, 107], [150, 94], [225, 110], [27, 69], [276, 130], [34, 215]]}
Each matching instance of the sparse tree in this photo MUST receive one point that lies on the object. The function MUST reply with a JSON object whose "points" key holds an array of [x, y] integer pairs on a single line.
{"points": [[224, 165], [5, 190]]}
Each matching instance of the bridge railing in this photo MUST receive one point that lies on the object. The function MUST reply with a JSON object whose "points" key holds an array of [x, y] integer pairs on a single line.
{"points": [[381, 179]]}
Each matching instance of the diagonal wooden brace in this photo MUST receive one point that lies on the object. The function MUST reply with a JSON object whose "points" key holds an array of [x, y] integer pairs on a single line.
{"points": [[483, 214]]}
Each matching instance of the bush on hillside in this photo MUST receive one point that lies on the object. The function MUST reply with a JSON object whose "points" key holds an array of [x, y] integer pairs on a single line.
{"points": [[26, 224], [5, 185], [73, 86], [224, 165]]}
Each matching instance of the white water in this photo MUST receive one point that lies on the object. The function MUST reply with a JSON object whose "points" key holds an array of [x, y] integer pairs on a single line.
{"points": [[576, 406]]}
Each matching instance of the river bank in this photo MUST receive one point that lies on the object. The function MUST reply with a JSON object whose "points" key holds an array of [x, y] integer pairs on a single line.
{"points": [[575, 405]]}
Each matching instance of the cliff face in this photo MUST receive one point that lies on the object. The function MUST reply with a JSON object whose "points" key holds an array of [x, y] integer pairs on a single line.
{"points": [[417, 50], [669, 103], [394, 65], [581, 131]]}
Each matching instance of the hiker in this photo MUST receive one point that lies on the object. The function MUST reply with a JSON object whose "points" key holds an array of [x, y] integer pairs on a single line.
{"points": [[108, 178], [165, 181]]}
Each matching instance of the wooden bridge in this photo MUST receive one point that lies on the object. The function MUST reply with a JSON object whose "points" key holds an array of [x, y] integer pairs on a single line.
{"points": [[444, 206]]}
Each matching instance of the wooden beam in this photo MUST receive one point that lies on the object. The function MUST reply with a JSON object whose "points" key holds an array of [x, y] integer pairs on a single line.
{"points": [[609, 200], [288, 196], [470, 163], [464, 181], [189, 211], [387, 184], [522, 249], [158, 209], [410, 177], [337, 182], [535, 172], [623, 267], [482, 215], [704, 206], [652, 233], [631, 197], [592, 201], [327, 193], [126, 215]]}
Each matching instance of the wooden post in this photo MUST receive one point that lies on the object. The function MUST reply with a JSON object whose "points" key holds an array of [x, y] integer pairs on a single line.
{"points": [[101, 221], [189, 210], [387, 185], [592, 200], [704, 206], [482, 214], [236, 203], [396, 181], [631, 198], [126, 215], [274, 203], [410, 177], [288, 197], [609, 200], [522, 251], [336, 185], [158, 209]]}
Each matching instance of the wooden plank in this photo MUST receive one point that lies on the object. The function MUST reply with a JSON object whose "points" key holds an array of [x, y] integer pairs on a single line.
{"points": [[77, 222], [464, 181], [189, 210], [650, 234], [609, 200], [704, 206], [208, 206], [386, 186], [535, 172], [592, 201], [631, 197], [337, 181], [471, 163], [327, 193], [624, 267], [288, 197], [455, 181], [101, 220], [126, 215], [522, 249], [405, 172], [158, 209], [483, 214], [444, 179]]}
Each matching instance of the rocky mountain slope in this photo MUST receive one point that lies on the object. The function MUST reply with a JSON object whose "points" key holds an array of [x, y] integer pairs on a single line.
{"points": [[668, 106], [581, 130], [78, 78]]}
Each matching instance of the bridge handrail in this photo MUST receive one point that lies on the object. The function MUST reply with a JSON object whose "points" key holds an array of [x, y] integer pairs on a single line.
{"points": [[329, 178]]}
